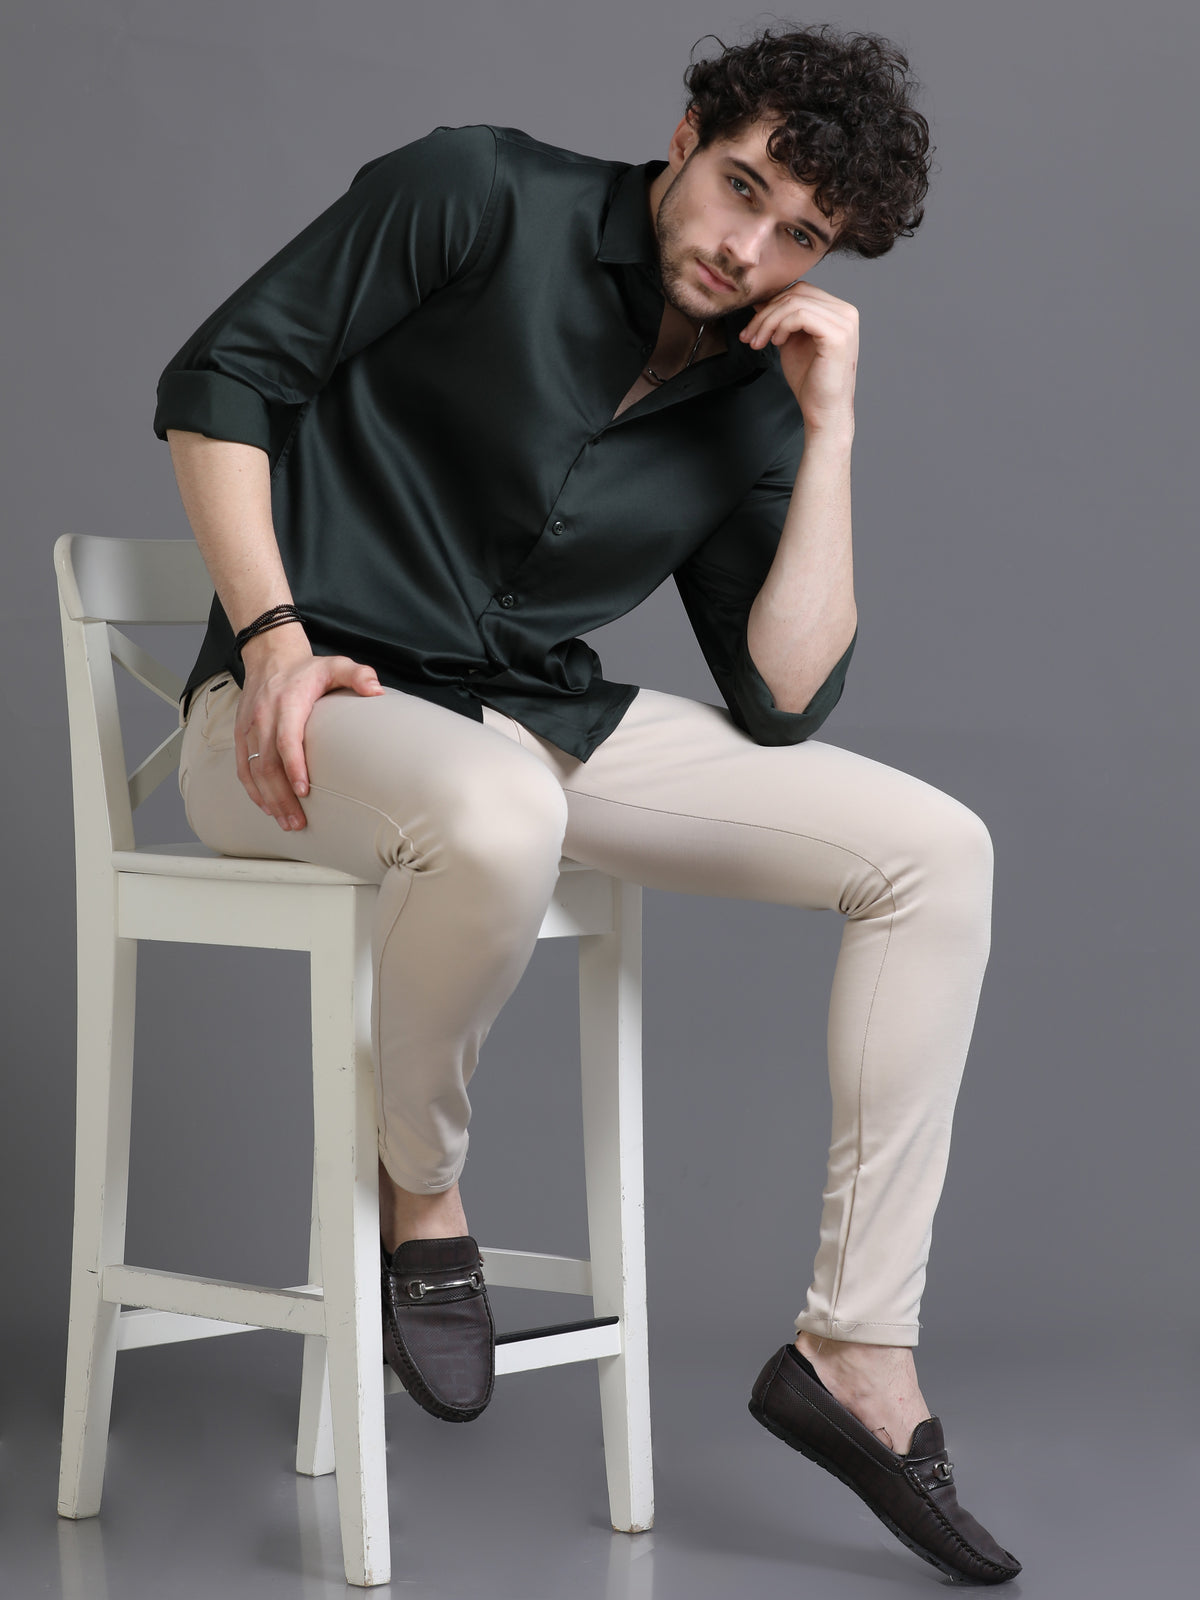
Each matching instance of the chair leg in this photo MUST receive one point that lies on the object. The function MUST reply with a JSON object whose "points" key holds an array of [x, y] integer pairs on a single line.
{"points": [[610, 1039], [107, 994], [346, 1145], [314, 1440]]}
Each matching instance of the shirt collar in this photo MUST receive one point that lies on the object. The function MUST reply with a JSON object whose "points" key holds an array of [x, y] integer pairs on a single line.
{"points": [[628, 233]]}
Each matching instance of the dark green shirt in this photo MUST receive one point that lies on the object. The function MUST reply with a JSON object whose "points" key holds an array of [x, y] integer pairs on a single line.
{"points": [[432, 367]]}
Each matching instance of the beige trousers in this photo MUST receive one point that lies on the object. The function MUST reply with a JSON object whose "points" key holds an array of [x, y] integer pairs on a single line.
{"points": [[462, 824]]}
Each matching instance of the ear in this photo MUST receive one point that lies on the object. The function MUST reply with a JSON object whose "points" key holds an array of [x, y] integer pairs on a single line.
{"points": [[684, 140]]}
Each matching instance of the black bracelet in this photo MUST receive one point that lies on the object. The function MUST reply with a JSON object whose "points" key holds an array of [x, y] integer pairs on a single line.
{"points": [[277, 617]]}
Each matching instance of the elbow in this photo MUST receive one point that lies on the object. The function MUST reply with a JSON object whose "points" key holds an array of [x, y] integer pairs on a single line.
{"points": [[801, 692]]}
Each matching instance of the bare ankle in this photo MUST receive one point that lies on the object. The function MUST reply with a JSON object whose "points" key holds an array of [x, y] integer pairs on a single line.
{"points": [[404, 1215], [854, 1357]]}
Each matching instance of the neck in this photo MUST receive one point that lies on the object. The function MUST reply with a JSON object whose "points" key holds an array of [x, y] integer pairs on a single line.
{"points": [[678, 329]]}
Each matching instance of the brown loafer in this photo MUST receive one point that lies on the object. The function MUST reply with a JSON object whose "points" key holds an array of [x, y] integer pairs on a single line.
{"points": [[438, 1334], [912, 1495]]}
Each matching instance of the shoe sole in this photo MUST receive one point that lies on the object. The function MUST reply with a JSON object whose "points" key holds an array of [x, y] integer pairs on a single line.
{"points": [[759, 1415]]}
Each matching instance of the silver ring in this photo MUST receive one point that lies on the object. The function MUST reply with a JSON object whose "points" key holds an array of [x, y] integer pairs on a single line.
{"points": [[254, 756]]}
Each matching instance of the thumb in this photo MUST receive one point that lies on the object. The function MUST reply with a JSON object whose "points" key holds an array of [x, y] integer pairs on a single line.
{"points": [[347, 674], [365, 680]]}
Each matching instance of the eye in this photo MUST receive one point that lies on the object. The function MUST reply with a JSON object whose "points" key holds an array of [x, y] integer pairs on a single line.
{"points": [[740, 186], [801, 237]]}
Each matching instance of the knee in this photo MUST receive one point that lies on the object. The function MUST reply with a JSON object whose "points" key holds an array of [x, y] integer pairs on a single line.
{"points": [[961, 854], [972, 841], [513, 826]]}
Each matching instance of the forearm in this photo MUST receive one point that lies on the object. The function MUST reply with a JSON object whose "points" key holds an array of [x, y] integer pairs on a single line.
{"points": [[804, 616], [226, 492]]}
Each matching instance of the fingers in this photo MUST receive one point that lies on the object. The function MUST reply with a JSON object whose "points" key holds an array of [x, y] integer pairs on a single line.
{"points": [[269, 740], [776, 323], [242, 756], [289, 745], [267, 781], [801, 308], [269, 735]]}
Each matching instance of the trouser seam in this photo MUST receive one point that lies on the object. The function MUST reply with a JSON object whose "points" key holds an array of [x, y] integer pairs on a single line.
{"points": [[737, 822], [858, 1161], [376, 987], [365, 805]]}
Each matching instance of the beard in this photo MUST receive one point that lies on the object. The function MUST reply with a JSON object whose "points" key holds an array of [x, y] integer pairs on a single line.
{"points": [[674, 255]]}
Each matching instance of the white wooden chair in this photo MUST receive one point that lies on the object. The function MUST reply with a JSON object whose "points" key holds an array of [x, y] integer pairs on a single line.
{"points": [[186, 893]]}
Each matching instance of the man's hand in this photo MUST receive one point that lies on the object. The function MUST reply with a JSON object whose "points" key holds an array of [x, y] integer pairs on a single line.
{"points": [[817, 337], [284, 680]]}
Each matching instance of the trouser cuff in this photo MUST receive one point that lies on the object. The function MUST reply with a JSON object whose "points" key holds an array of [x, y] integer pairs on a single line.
{"points": [[898, 1333], [429, 1181]]}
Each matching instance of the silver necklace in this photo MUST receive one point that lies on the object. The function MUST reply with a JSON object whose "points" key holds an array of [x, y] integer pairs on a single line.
{"points": [[649, 372]]}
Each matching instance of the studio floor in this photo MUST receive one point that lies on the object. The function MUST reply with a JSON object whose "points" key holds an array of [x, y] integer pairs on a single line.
{"points": [[1088, 1470]]}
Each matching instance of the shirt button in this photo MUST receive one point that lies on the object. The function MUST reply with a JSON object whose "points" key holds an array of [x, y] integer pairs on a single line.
{"points": [[507, 600], [558, 527]]}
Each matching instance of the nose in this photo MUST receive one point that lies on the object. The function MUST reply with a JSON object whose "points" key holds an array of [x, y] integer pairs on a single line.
{"points": [[744, 245]]}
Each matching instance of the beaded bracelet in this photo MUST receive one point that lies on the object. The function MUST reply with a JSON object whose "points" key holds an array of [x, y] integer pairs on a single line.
{"points": [[277, 617]]}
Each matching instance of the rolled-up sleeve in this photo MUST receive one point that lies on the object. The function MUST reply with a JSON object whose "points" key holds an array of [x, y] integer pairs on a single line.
{"points": [[408, 224], [718, 586]]}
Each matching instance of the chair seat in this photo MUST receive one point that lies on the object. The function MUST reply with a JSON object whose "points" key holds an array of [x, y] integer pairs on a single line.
{"points": [[198, 861], [195, 860]]}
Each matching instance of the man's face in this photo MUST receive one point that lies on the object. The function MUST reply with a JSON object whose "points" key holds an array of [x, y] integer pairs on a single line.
{"points": [[734, 227]]}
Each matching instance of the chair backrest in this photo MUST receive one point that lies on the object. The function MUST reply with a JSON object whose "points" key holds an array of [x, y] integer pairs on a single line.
{"points": [[102, 582]]}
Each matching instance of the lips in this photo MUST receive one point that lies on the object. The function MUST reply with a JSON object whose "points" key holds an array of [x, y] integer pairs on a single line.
{"points": [[714, 280]]}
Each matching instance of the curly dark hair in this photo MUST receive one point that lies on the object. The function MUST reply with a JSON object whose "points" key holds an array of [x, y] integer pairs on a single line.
{"points": [[846, 124]]}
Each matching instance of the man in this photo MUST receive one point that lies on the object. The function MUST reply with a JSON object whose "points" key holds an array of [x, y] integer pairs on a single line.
{"points": [[487, 401]]}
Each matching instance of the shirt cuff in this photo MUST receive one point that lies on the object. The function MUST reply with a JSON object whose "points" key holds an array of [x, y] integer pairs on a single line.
{"points": [[199, 401], [759, 716]]}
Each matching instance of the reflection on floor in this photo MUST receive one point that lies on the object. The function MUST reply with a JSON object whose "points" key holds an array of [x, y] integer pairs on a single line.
{"points": [[200, 1500]]}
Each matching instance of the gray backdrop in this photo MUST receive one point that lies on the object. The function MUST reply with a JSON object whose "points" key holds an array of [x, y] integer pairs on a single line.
{"points": [[1026, 574]]}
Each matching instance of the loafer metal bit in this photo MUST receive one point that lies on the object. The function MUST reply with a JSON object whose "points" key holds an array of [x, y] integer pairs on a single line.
{"points": [[912, 1495], [438, 1334]]}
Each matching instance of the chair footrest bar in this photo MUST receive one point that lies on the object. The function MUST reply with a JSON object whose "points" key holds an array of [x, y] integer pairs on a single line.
{"points": [[290, 1310], [553, 1349], [520, 1334], [545, 1347], [138, 1330], [526, 1269]]}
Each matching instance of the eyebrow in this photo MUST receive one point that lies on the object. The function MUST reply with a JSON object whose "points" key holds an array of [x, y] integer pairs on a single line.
{"points": [[756, 177]]}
